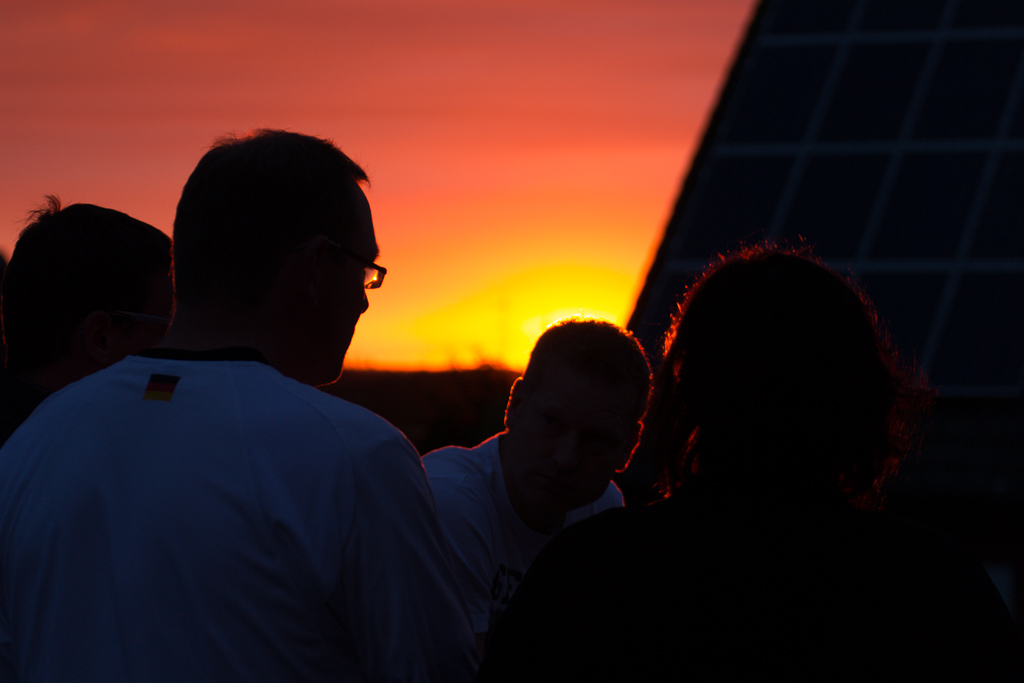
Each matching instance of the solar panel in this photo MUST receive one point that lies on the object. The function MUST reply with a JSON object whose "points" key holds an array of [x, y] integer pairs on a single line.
{"points": [[907, 303], [782, 91], [891, 135], [928, 204], [992, 13], [833, 199], [986, 348], [799, 16], [738, 196], [890, 15], [969, 89], [1000, 232], [888, 72], [1017, 127]]}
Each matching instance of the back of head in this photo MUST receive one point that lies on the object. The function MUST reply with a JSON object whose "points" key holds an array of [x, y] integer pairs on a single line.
{"points": [[248, 203], [67, 263], [596, 348], [777, 375]]}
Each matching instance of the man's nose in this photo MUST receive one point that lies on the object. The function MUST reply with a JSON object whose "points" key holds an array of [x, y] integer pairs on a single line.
{"points": [[567, 455]]}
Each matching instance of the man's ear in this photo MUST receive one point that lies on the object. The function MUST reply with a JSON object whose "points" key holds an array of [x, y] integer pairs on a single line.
{"points": [[635, 440], [97, 328], [313, 261], [515, 399]]}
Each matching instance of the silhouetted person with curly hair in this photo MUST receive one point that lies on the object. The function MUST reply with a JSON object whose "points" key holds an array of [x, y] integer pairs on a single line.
{"points": [[779, 408]]}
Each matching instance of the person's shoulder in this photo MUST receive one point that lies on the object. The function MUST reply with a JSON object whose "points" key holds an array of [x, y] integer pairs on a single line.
{"points": [[656, 514], [261, 395], [916, 561], [270, 406], [460, 465], [610, 499], [18, 391], [634, 529], [59, 418], [462, 481], [268, 398], [17, 401], [59, 405], [597, 551], [339, 412], [936, 595], [912, 548]]}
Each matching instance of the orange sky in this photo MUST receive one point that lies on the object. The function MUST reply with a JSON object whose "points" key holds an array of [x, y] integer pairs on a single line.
{"points": [[524, 156]]}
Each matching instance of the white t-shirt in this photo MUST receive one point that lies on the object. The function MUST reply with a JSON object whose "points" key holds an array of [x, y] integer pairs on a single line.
{"points": [[492, 547], [173, 519]]}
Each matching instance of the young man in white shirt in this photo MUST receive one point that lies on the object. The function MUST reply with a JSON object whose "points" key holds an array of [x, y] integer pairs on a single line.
{"points": [[572, 421]]}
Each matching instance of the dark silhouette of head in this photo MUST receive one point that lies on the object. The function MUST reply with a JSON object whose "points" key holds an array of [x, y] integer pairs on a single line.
{"points": [[572, 420], [778, 378], [73, 261], [249, 202], [595, 348]]}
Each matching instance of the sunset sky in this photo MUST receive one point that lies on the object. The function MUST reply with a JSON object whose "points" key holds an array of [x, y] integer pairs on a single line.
{"points": [[524, 156]]}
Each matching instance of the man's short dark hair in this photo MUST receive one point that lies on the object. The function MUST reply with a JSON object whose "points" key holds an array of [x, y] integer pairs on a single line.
{"points": [[67, 263], [250, 201], [596, 348]]}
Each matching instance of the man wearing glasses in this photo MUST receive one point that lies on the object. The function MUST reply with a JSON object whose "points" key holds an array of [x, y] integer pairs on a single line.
{"points": [[86, 286], [203, 512]]}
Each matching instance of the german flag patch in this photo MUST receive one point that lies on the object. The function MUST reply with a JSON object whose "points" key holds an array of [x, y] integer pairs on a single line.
{"points": [[160, 387]]}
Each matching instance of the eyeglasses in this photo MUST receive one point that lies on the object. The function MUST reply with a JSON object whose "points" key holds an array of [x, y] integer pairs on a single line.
{"points": [[143, 318], [373, 275]]}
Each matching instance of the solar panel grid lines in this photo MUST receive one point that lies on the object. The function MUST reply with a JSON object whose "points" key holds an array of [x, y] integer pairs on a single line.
{"points": [[939, 334], [814, 124], [1020, 382], [927, 265], [899, 148], [902, 15], [999, 233], [983, 348], [990, 13], [868, 147], [809, 16], [832, 202], [930, 199], [1013, 106], [891, 37], [891, 136], [970, 89], [886, 70]]}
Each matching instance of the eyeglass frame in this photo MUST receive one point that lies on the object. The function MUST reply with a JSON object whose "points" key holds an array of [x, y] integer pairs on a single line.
{"points": [[380, 271]]}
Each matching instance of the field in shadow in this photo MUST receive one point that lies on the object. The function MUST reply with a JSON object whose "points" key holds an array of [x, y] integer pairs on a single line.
{"points": [[434, 409]]}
